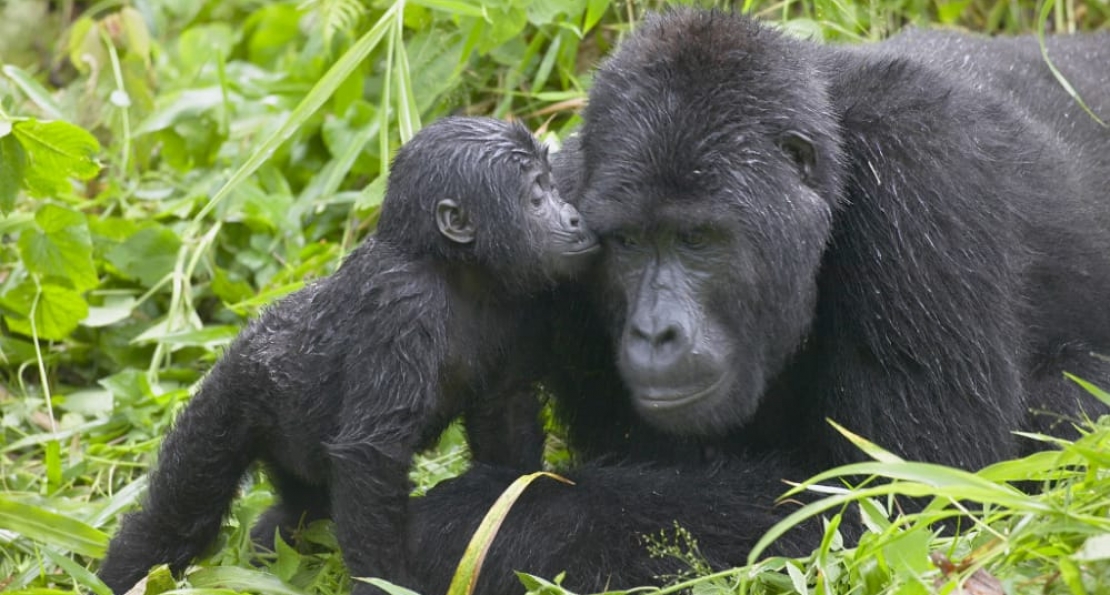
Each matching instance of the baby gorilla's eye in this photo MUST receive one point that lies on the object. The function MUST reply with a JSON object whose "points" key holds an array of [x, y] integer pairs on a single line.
{"points": [[538, 194]]}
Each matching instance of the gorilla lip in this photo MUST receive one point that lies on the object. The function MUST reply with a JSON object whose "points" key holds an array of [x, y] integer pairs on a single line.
{"points": [[658, 399], [592, 247]]}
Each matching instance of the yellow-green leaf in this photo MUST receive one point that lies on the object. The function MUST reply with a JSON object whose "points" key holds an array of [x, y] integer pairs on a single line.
{"points": [[466, 575], [56, 151], [13, 161]]}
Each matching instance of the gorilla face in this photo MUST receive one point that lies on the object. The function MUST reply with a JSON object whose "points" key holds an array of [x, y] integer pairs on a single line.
{"points": [[711, 175]]}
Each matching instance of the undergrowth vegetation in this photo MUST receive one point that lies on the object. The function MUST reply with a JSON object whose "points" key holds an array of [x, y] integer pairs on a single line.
{"points": [[169, 168]]}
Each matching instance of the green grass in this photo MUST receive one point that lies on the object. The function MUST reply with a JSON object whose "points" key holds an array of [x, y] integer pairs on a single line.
{"points": [[168, 168]]}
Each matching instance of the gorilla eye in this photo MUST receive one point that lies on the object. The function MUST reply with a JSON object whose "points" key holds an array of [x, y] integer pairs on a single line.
{"points": [[695, 239], [801, 152], [626, 239]]}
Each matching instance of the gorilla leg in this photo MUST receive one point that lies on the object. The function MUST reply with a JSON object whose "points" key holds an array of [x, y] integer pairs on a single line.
{"points": [[299, 504], [595, 530], [200, 466]]}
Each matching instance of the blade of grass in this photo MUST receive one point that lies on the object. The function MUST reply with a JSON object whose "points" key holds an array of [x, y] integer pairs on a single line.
{"points": [[466, 575], [44, 526]]}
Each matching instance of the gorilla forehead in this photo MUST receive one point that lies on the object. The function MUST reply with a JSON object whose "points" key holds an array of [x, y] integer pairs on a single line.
{"points": [[695, 105], [682, 68]]}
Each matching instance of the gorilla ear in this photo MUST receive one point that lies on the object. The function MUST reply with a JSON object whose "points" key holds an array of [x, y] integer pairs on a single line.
{"points": [[801, 152], [454, 222]]}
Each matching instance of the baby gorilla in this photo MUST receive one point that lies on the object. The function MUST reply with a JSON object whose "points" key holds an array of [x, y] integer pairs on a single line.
{"points": [[440, 314]]}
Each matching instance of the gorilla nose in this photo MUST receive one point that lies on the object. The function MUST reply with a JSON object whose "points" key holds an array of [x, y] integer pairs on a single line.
{"points": [[571, 218], [655, 343]]}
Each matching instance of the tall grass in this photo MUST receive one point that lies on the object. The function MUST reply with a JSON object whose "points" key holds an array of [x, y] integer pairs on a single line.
{"points": [[206, 158]]}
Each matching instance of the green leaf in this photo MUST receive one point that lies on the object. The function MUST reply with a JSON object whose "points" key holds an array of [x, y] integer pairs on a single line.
{"points": [[60, 247], [387, 586], [207, 337], [56, 151], [1095, 391], [595, 9], [452, 6], [44, 526], [241, 579], [33, 90], [870, 448], [13, 163], [231, 291], [159, 580], [58, 310], [147, 256], [115, 309], [138, 36], [79, 573]]}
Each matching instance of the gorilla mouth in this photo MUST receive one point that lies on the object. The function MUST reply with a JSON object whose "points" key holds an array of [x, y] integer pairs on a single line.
{"points": [[590, 247], [659, 399]]}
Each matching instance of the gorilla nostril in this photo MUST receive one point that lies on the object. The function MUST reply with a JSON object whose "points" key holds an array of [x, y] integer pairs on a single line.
{"points": [[668, 336]]}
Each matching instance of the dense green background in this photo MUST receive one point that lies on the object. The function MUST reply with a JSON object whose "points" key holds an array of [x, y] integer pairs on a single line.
{"points": [[167, 168]]}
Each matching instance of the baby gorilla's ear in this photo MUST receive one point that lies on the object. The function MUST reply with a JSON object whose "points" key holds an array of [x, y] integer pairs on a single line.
{"points": [[454, 222]]}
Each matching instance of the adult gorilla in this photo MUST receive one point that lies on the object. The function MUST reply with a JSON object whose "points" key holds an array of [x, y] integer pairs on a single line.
{"points": [[910, 238]]}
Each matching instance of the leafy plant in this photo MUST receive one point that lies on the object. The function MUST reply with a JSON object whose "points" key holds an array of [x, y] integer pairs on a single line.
{"points": [[169, 168]]}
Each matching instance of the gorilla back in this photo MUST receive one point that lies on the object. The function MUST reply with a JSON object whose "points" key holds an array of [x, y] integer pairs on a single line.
{"points": [[911, 238]]}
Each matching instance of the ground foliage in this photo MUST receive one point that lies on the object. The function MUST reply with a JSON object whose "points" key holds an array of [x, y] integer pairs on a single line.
{"points": [[168, 168]]}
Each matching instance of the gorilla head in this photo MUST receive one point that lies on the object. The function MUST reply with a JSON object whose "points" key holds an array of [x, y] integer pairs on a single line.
{"points": [[479, 191], [712, 172]]}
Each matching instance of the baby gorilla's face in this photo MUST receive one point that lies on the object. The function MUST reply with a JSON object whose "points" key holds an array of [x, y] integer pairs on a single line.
{"points": [[567, 242]]}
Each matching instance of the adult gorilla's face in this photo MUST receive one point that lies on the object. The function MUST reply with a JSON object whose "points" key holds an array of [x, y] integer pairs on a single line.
{"points": [[711, 175]]}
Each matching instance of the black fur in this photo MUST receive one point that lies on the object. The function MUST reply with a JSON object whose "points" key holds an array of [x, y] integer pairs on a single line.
{"points": [[335, 387], [911, 238]]}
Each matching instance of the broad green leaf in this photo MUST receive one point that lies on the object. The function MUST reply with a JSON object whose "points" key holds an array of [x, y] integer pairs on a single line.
{"points": [[115, 309], [466, 575], [13, 162], [60, 247], [58, 310], [56, 151], [147, 256], [44, 526], [159, 580]]}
